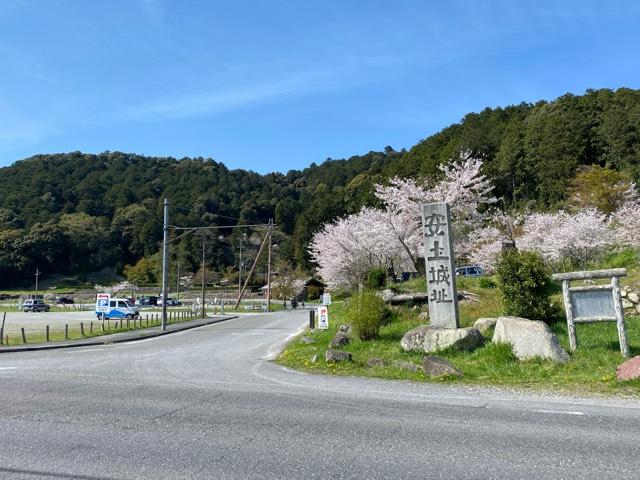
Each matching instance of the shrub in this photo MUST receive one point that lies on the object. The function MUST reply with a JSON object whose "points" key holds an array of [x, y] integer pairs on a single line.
{"points": [[526, 286], [366, 312], [376, 278], [486, 282], [626, 258]]}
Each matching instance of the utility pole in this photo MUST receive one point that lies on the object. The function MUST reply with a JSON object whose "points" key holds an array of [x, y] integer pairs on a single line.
{"points": [[240, 268], [203, 258], [178, 281], [269, 268], [37, 275], [165, 262], [253, 267]]}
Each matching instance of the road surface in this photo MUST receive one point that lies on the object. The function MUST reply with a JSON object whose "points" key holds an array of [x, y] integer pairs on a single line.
{"points": [[207, 404]]}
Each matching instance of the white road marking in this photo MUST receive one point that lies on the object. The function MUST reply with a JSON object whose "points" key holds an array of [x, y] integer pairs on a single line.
{"points": [[561, 412], [9, 368]]}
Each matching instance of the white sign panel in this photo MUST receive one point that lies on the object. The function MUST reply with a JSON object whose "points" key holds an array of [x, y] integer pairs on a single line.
{"points": [[323, 317], [326, 299], [102, 302]]}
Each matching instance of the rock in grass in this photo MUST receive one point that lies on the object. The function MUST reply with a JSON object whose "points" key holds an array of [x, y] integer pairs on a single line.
{"points": [[437, 367], [345, 329], [529, 339], [404, 365], [314, 359], [629, 370], [333, 356], [340, 339], [307, 340], [430, 339], [484, 325], [375, 362]]}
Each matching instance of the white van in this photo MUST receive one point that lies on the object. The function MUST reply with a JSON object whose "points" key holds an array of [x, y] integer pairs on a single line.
{"points": [[107, 307]]}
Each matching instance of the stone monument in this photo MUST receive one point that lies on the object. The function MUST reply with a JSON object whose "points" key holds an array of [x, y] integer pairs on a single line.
{"points": [[441, 274]]}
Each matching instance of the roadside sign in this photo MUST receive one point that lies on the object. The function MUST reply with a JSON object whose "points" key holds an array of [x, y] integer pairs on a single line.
{"points": [[323, 317], [102, 302], [326, 299]]}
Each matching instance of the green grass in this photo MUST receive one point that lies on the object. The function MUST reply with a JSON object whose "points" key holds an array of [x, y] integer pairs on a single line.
{"points": [[591, 370]]}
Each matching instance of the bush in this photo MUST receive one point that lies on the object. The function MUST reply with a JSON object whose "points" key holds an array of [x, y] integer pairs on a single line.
{"points": [[486, 282], [526, 286], [366, 312], [626, 258], [376, 278]]}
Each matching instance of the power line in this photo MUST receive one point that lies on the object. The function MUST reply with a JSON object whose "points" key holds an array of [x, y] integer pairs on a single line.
{"points": [[215, 214]]}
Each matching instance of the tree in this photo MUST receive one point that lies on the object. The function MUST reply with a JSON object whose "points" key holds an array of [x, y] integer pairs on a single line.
{"points": [[601, 188], [144, 272]]}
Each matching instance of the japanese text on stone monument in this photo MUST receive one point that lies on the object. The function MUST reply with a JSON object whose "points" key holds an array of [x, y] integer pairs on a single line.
{"points": [[441, 278]]}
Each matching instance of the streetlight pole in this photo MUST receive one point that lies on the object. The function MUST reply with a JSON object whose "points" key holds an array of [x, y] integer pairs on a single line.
{"points": [[165, 263]]}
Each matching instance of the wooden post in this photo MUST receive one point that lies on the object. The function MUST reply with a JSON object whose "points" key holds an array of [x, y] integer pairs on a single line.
{"points": [[24, 337], [82, 329], [66, 331], [91, 328], [571, 326], [127, 323], [617, 304], [4, 317], [46, 332]]}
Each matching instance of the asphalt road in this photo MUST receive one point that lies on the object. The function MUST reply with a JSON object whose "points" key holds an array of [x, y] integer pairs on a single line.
{"points": [[206, 403]]}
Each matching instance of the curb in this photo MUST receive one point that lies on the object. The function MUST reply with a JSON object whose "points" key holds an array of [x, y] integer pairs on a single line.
{"points": [[121, 337]]}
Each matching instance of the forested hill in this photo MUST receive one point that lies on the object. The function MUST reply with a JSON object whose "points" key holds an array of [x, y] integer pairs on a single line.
{"points": [[75, 213]]}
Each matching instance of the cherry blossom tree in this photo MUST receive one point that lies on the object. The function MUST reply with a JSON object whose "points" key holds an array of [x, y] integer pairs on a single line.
{"points": [[625, 224], [463, 187], [348, 248]]}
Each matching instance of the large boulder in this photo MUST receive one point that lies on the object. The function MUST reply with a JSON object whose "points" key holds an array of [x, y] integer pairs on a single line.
{"points": [[629, 370], [437, 367], [529, 339], [431, 339], [332, 356], [485, 324]]}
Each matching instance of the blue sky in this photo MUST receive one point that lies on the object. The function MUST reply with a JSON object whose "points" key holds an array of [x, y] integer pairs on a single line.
{"points": [[275, 85]]}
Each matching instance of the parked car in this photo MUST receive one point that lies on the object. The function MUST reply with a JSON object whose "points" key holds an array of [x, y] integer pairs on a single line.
{"points": [[469, 271], [36, 305], [107, 308], [171, 302], [64, 301]]}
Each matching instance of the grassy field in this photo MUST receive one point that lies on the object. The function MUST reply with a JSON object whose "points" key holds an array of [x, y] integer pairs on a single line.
{"points": [[591, 370], [93, 329]]}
